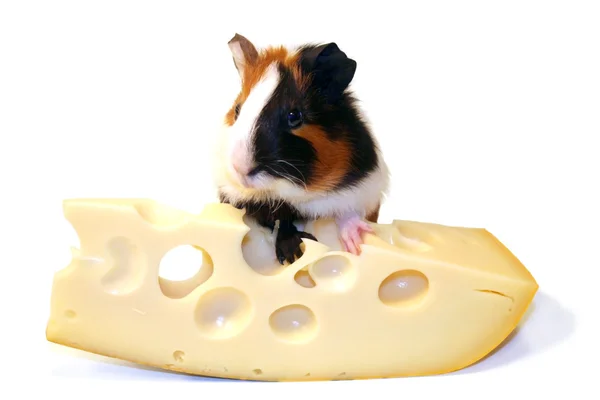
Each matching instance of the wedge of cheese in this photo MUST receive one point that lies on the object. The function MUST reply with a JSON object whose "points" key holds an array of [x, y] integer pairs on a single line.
{"points": [[421, 299]]}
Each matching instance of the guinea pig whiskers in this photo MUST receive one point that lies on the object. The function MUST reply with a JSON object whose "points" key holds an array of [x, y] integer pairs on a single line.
{"points": [[293, 166], [288, 177]]}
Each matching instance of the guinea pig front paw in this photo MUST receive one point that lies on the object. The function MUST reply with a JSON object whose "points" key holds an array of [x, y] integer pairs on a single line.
{"points": [[287, 244], [352, 229]]}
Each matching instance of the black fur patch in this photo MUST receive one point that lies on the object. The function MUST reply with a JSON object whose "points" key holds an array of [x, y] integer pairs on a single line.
{"points": [[333, 107], [277, 151]]}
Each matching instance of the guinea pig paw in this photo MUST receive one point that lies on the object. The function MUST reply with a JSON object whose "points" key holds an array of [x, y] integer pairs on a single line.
{"points": [[351, 232], [287, 246]]}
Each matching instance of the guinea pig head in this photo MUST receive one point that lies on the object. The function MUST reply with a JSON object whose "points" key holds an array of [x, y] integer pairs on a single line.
{"points": [[282, 134]]}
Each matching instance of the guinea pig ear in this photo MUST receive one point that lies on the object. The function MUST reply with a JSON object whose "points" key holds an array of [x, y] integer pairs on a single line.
{"points": [[243, 51], [331, 69]]}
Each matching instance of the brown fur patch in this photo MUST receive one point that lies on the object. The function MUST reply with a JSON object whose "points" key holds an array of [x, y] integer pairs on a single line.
{"points": [[255, 71], [333, 158], [293, 64]]}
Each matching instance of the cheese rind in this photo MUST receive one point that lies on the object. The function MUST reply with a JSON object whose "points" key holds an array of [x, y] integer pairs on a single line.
{"points": [[421, 299]]}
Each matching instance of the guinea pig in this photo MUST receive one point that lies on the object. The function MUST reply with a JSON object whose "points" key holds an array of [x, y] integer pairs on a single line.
{"points": [[295, 147]]}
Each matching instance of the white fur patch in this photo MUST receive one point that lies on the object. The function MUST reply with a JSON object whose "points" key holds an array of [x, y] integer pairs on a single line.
{"points": [[259, 96], [236, 139]]}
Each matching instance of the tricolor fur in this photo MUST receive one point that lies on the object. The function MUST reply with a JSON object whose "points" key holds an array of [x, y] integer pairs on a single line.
{"points": [[294, 144]]}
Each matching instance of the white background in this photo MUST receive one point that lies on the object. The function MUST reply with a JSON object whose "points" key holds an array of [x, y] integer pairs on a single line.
{"points": [[489, 114]]}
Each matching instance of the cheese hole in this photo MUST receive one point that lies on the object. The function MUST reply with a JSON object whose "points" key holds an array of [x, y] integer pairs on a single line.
{"points": [[335, 273], [403, 288], [304, 279], [183, 269], [127, 271], [294, 323], [257, 371], [405, 242], [258, 249], [223, 313], [70, 314], [65, 256], [178, 355]]}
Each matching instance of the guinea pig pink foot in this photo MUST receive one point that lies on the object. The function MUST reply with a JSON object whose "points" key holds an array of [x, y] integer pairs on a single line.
{"points": [[351, 231]]}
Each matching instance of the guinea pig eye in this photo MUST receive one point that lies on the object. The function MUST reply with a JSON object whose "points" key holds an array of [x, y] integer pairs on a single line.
{"points": [[238, 107], [294, 118]]}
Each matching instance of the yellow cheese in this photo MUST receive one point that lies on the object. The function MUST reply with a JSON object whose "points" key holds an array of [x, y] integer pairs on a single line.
{"points": [[421, 299]]}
